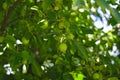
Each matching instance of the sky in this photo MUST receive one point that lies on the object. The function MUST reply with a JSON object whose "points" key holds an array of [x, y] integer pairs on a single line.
{"points": [[102, 23]]}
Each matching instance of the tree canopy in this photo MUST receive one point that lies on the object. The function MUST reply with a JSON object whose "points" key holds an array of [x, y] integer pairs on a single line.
{"points": [[59, 40]]}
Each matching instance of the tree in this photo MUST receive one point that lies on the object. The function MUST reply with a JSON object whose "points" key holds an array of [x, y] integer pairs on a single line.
{"points": [[58, 40]]}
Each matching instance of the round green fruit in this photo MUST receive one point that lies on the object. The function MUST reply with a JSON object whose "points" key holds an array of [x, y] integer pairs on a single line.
{"points": [[82, 62], [56, 8], [5, 5], [96, 76], [70, 36], [45, 26], [61, 25], [25, 41], [63, 47], [24, 61]]}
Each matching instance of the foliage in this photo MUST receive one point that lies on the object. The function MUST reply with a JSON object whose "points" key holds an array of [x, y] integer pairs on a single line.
{"points": [[57, 40]]}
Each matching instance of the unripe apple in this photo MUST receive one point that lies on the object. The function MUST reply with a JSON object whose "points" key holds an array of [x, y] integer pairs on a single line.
{"points": [[25, 41], [56, 8], [63, 47], [96, 76], [45, 25], [70, 36], [61, 25]]}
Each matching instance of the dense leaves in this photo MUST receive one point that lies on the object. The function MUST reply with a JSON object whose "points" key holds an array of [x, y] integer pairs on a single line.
{"points": [[59, 40]]}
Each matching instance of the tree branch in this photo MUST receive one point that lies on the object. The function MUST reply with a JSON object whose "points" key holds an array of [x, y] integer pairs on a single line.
{"points": [[7, 16]]}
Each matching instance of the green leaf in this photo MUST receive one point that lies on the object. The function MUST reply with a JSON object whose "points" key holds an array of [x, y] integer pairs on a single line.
{"points": [[10, 39], [102, 3], [113, 78], [82, 49], [25, 55], [46, 4], [31, 1], [67, 76], [23, 11], [77, 75], [34, 8], [78, 4], [1, 39], [87, 31], [41, 25], [115, 14], [36, 69]]}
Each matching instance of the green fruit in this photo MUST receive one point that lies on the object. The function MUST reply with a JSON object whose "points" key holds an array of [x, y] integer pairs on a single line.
{"points": [[82, 62], [64, 24], [61, 25], [70, 36], [63, 47], [57, 7], [25, 41], [24, 61], [5, 5], [45, 26], [96, 76]]}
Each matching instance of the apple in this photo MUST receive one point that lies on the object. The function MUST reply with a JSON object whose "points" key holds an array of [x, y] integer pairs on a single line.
{"points": [[63, 47], [96, 76], [25, 41], [70, 36]]}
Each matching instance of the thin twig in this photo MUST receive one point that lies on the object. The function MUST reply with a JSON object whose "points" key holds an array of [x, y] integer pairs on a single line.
{"points": [[7, 16]]}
